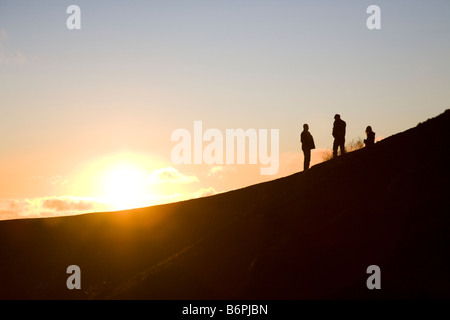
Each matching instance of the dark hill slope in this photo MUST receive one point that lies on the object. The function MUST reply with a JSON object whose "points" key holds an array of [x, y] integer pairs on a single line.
{"points": [[310, 235]]}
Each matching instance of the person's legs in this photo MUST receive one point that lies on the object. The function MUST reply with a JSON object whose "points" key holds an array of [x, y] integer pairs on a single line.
{"points": [[307, 154], [342, 146], [335, 148]]}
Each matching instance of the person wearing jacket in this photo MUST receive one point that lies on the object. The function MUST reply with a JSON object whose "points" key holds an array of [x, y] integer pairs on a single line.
{"points": [[370, 141], [339, 127], [307, 145]]}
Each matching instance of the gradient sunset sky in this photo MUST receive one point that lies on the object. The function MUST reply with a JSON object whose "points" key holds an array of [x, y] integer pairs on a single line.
{"points": [[87, 115]]}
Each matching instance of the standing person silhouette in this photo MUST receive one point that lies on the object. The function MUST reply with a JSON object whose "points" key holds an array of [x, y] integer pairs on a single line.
{"points": [[307, 144], [370, 141], [339, 135]]}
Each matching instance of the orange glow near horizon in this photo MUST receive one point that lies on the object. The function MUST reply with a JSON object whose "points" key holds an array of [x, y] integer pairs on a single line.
{"points": [[121, 181], [125, 186]]}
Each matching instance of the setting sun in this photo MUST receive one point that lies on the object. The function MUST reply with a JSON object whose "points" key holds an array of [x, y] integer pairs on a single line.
{"points": [[129, 180], [120, 181], [125, 186]]}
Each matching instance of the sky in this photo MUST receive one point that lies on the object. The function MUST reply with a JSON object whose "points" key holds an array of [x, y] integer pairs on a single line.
{"points": [[88, 115]]}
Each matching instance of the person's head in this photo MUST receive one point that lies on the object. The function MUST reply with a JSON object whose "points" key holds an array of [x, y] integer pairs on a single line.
{"points": [[305, 127], [368, 129], [337, 116]]}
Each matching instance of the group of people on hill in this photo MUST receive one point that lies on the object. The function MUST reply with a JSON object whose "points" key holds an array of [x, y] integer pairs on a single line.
{"points": [[338, 133]]}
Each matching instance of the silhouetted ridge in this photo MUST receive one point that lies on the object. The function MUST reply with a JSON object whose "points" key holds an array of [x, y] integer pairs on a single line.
{"points": [[306, 236]]}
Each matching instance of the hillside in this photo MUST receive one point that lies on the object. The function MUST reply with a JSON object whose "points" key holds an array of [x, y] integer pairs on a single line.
{"points": [[310, 235]]}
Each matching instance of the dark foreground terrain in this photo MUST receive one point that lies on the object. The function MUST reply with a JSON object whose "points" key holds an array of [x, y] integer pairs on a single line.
{"points": [[307, 236]]}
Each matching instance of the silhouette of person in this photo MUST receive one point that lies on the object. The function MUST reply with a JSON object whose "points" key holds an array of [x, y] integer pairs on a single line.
{"points": [[307, 144], [370, 141], [339, 135]]}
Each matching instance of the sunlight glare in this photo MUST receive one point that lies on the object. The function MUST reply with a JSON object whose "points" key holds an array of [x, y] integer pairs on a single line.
{"points": [[125, 186]]}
